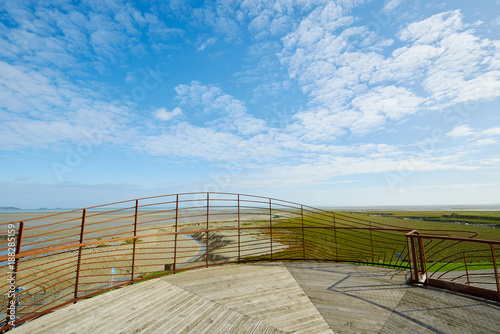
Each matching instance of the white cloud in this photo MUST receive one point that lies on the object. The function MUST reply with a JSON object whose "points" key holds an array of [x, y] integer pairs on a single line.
{"points": [[466, 68], [226, 113], [22, 133], [383, 103], [491, 132], [390, 5], [261, 23], [209, 99], [280, 25], [407, 65], [165, 115], [461, 131], [433, 29], [46, 111], [330, 167], [484, 86], [73, 37], [485, 142], [130, 77], [187, 141], [221, 18], [355, 81], [190, 142], [496, 21], [209, 41], [442, 63]]}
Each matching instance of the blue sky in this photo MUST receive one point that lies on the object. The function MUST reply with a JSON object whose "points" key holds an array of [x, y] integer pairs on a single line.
{"points": [[337, 103]]}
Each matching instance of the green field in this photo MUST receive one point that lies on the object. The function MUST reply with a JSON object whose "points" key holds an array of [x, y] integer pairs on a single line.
{"points": [[485, 223], [382, 247]]}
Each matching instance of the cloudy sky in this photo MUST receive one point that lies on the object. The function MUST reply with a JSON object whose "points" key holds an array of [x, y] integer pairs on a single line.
{"points": [[346, 102]]}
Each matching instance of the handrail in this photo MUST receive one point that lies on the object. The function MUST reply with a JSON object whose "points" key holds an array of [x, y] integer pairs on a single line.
{"points": [[70, 254], [432, 236], [449, 265], [158, 196]]}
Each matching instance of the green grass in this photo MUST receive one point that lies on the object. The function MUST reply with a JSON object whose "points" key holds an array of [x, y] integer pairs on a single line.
{"points": [[131, 241], [457, 266], [100, 293], [380, 247], [396, 218], [161, 273], [436, 219]]}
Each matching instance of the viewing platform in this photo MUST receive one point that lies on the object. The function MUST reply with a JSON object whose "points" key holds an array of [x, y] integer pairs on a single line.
{"points": [[278, 297], [234, 263]]}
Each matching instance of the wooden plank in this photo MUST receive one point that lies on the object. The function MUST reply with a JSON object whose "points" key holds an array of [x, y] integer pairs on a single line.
{"points": [[267, 293], [151, 307], [276, 298], [352, 300]]}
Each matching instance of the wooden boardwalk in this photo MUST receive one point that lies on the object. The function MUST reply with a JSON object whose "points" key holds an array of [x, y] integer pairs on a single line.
{"points": [[295, 297]]}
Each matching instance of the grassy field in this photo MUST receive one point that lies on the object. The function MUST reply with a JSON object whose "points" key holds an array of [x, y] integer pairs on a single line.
{"points": [[486, 218], [486, 224], [388, 247]]}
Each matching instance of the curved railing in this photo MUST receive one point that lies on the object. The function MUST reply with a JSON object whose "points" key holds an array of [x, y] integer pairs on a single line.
{"points": [[51, 261], [455, 263]]}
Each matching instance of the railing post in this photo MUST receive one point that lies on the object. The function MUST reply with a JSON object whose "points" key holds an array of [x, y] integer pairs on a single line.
{"points": [[239, 231], [495, 268], [413, 257], [208, 214], [423, 261], [82, 231], [466, 269], [392, 256], [13, 278], [135, 240], [303, 233], [271, 227], [176, 230], [371, 242], [335, 237]]}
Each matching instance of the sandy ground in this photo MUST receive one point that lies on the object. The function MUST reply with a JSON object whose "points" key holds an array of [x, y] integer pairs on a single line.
{"points": [[57, 272], [49, 279]]}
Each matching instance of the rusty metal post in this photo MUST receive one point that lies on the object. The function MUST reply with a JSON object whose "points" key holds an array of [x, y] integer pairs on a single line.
{"points": [[371, 242], [303, 233], [271, 227], [208, 214], [392, 256], [13, 280], [82, 231], [409, 256], [413, 258], [239, 231], [135, 240], [335, 237], [495, 268], [423, 262], [176, 230], [18, 244], [466, 269]]}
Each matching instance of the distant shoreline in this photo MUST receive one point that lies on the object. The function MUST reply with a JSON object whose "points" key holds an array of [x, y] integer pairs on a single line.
{"points": [[9, 208], [478, 207], [369, 208]]}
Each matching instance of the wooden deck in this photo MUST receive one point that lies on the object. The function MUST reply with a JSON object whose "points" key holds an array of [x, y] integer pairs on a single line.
{"points": [[291, 297]]}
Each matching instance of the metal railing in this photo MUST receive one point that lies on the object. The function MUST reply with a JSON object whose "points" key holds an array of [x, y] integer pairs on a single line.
{"points": [[55, 260], [462, 265]]}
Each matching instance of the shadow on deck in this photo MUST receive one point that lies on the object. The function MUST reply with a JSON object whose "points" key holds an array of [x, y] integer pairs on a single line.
{"points": [[292, 297]]}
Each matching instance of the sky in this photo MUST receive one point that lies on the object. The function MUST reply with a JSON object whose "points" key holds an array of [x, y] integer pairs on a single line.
{"points": [[325, 103]]}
